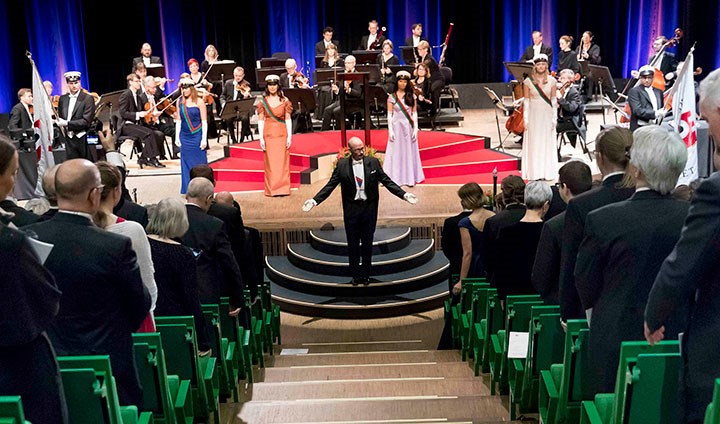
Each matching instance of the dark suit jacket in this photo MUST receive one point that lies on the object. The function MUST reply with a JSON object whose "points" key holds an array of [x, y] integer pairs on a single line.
{"points": [[569, 106], [493, 225], [103, 297], [577, 210], [343, 175], [320, 47], [22, 216], [451, 243], [557, 204], [690, 275], [218, 271], [153, 59], [669, 63], [409, 40], [593, 53], [131, 211], [232, 218], [127, 108], [546, 269], [530, 53], [83, 113], [229, 91], [624, 245], [19, 119], [640, 106], [364, 42]]}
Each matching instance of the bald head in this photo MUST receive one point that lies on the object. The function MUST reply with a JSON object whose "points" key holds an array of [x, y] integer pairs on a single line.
{"points": [[224, 198], [74, 181], [357, 148], [200, 192], [48, 185]]}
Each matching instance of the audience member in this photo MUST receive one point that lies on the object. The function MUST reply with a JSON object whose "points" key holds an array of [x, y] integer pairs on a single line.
{"points": [[8, 174], [450, 241], [218, 271], [612, 151], [225, 198], [37, 205], [513, 189], [624, 245], [105, 218], [517, 243], [175, 266], [574, 178], [48, 186], [103, 297], [690, 274]]}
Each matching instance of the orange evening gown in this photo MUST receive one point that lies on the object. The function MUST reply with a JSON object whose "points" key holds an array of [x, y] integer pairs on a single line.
{"points": [[277, 157]]}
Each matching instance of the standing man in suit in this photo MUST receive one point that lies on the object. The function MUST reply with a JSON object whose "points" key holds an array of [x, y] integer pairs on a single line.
{"points": [[103, 297], [690, 275], [21, 119], [76, 110], [416, 35], [359, 177], [574, 178], [237, 88], [536, 48], [131, 112], [146, 56], [321, 45], [569, 105], [646, 101], [218, 271], [372, 41]]}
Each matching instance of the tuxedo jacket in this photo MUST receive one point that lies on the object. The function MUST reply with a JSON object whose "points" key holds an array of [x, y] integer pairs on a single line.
{"points": [[127, 107], [409, 40], [22, 216], [103, 297], [364, 42], [320, 47], [667, 64], [343, 175], [530, 53], [153, 59], [569, 107], [546, 269], [641, 109], [451, 242], [229, 90], [690, 275], [131, 211], [19, 119], [578, 208], [218, 271], [232, 218], [83, 113], [625, 244]]}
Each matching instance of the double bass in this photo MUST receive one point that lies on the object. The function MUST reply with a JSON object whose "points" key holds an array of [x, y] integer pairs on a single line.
{"points": [[516, 122]]}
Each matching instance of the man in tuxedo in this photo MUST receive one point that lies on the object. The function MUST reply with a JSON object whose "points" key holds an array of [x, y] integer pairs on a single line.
{"points": [[103, 297], [574, 178], [321, 45], [416, 35], [646, 101], [146, 56], [217, 270], [359, 176], [21, 119], [536, 48], [666, 62], [690, 275], [237, 88], [569, 105], [131, 113], [161, 125], [353, 97], [372, 41], [76, 110]]}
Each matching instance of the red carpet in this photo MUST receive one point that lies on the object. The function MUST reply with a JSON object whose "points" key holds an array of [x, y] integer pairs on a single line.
{"points": [[447, 158]]}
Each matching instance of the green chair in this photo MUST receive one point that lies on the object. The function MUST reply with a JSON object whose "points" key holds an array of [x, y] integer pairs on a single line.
{"points": [[477, 335], [274, 311], [223, 356], [491, 324], [91, 393], [167, 407], [712, 413], [231, 329], [180, 344], [448, 310], [465, 311], [11, 410], [560, 391]]}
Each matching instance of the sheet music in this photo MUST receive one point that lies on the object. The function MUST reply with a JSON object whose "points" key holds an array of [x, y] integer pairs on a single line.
{"points": [[518, 345]]}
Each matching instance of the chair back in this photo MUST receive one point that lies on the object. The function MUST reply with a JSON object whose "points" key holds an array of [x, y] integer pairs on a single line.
{"points": [[447, 74]]}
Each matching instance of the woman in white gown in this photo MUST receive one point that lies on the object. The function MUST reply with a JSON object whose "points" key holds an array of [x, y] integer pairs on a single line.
{"points": [[539, 154]]}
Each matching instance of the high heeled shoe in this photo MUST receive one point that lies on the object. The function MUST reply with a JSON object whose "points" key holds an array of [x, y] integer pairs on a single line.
{"points": [[142, 162], [156, 163]]}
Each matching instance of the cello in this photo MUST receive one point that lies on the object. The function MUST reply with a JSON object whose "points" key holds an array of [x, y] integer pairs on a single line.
{"points": [[516, 122]]}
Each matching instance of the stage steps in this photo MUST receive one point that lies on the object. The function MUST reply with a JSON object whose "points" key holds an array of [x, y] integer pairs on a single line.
{"points": [[314, 278]]}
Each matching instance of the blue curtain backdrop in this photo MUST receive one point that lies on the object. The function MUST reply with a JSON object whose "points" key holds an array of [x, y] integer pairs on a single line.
{"points": [[82, 35]]}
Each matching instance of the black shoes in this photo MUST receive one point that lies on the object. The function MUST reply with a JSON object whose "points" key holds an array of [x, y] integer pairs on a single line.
{"points": [[364, 281], [357, 281], [154, 162]]}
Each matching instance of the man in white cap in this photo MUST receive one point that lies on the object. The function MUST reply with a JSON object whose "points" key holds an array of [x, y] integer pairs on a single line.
{"points": [[76, 110], [646, 101]]}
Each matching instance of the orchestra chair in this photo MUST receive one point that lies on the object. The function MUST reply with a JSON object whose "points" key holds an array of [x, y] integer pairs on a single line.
{"points": [[11, 410], [119, 141], [448, 76], [579, 130]]}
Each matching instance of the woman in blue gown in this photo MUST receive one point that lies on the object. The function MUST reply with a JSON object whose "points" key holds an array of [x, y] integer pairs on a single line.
{"points": [[190, 130]]}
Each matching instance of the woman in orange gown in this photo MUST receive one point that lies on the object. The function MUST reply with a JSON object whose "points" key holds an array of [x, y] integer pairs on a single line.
{"points": [[275, 129]]}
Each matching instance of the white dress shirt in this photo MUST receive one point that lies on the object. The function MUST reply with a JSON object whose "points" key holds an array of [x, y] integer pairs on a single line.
{"points": [[651, 93], [71, 109], [359, 173], [371, 40]]}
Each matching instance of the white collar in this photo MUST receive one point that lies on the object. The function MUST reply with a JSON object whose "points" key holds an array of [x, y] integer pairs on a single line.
{"points": [[85, 214], [611, 174]]}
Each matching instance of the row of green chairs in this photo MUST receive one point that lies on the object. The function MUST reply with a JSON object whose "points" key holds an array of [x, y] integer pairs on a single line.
{"points": [[712, 413], [11, 410]]}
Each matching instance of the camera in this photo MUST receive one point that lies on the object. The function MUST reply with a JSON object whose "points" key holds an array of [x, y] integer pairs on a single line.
{"points": [[25, 139]]}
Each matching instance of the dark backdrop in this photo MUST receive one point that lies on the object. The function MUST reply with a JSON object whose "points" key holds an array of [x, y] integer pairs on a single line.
{"points": [[83, 35]]}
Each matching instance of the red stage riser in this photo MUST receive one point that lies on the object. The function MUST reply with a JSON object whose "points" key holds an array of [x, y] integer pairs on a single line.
{"points": [[454, 148], [257, 154], [250, 176], [469, 168]]}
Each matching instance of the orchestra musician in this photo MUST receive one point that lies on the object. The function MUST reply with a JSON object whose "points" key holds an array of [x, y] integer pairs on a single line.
{"points": [[205, 91], [48, 87], [588, 50], [130, 112], [323, 44], [324, 94], [421, 85], [292, 78], [667, 62], [646, 101], [569, 105], [21, 115], [146, 56], [236, 89], [416, 35], [76, 110], [384, 61], [437, 81], [567, 58], [372, 41], [160, 122], [537, 48], [353, 97], [212, 56]]}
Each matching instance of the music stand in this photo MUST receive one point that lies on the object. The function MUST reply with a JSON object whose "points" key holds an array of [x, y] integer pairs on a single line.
{"points": [[234, 108], [519, 70], [220, 69], [324, 76], [304, 99], [600, 75], [349, 76], [155, 70], [318, 61], [261, 73], [271, 62], [365, 56], [108, 100], [498, 105], [378, 97], [373, 69], [408, 54]]}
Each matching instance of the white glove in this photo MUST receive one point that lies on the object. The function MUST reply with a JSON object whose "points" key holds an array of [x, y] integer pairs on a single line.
{"points": [[177, 134], [288, 126], [391, 133], [261, 134], [309, 204], [416, 129], [410, 198], [660, 113], [62, 122], [203, 140]]}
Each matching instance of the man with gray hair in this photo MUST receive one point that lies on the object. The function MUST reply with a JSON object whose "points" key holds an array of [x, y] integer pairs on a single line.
{"points": [[48, 185], [690, 274], [103, 297], [218, 271], [624, 245], [570, 106]]}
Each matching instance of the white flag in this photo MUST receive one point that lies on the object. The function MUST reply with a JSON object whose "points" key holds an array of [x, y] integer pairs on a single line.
{"points": [[684, 115], [43, 127]]}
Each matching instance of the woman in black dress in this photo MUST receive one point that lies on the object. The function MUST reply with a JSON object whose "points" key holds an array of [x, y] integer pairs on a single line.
{"points": [[567, 58], [325, 96], [437, 81], [384, 61]]}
